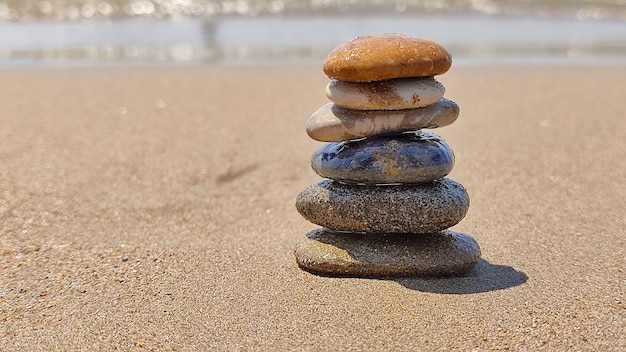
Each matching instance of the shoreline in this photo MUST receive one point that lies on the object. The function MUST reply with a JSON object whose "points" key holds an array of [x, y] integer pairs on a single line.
{"points": [[544, 62], [252, 40]]}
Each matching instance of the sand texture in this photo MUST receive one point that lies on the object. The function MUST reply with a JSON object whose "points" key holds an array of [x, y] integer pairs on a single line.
{"points": [[153, 209]]}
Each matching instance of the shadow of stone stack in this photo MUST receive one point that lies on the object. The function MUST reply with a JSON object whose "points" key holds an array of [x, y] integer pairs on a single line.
{"points": [[385, 206]]}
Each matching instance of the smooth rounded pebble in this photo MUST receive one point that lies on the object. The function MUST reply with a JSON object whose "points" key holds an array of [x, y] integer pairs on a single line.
{"points": [[386, 56], [421, 208], [331, 123], [350, 254], [395, 94], [410, 157]]}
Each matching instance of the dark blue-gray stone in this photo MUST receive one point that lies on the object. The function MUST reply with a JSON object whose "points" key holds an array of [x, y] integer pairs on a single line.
{"points": [[410, 157], [417, 208]]}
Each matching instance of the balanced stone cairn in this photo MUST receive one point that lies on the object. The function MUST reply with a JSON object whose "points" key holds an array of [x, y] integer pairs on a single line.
{"points": [[385, 205]]}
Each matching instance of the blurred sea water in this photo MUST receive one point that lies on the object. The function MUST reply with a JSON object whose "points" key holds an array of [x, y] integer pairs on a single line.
{"points": [[97, 32]]}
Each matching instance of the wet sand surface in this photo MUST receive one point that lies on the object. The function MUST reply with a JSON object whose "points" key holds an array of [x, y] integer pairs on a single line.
{"points": [[153, 209]]}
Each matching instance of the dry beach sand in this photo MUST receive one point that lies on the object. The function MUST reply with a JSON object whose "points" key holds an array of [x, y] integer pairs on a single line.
{"points": [[153, 209]]}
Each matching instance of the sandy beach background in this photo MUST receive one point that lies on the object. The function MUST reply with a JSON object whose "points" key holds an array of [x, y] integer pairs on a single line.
{"points": [[152, 208], [151, 152]]}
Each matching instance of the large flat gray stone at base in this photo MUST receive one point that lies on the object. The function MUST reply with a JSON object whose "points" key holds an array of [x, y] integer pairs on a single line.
{"points": [[420, 208], [364, 255]]}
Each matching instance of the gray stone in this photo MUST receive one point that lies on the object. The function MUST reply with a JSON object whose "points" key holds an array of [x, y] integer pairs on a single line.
{"points": [[412, 157], [364, 255], [420, 208], [331, 123]]}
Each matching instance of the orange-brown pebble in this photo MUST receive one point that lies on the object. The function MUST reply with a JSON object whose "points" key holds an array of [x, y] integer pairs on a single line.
{"points": [[386, 56]]}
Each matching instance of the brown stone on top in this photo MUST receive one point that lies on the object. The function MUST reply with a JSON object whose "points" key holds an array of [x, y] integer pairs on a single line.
{"points": [[386, 56]]}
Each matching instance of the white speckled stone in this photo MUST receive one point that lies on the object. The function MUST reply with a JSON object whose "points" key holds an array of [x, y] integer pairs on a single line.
{"points": [[420, 208], [394, 94], [364, 255], [331, 123]]}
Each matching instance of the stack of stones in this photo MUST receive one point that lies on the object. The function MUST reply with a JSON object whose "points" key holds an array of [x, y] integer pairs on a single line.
{"points": [[385, 206]]}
